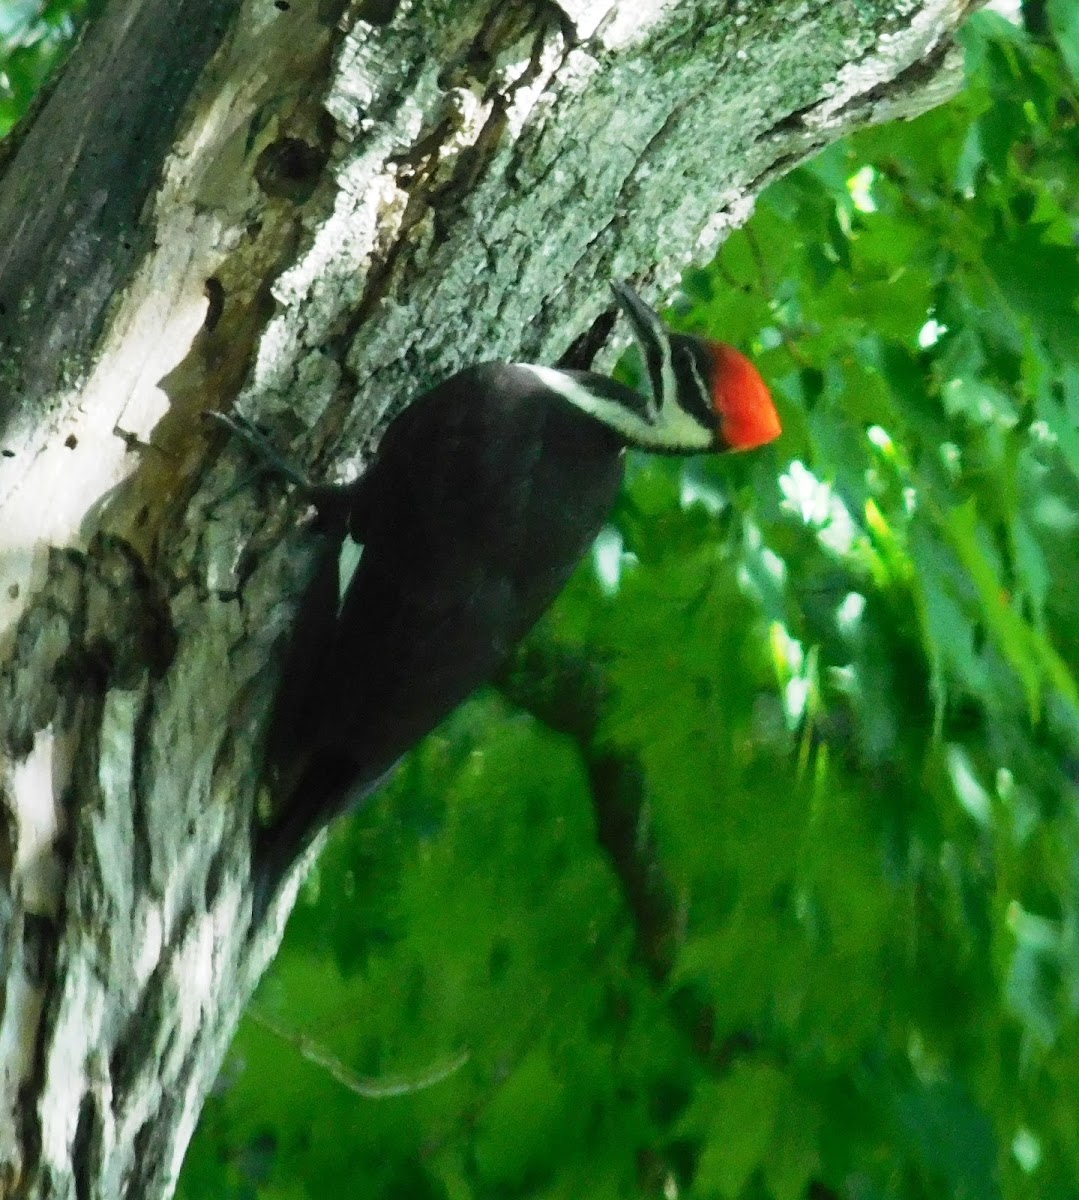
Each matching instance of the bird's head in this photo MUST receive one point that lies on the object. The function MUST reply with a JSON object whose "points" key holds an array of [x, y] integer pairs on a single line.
{"points": [[704, 395]]}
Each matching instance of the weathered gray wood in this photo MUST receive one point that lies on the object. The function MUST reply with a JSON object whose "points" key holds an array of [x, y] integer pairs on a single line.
{"points": [[321, 214], [71, 197]]}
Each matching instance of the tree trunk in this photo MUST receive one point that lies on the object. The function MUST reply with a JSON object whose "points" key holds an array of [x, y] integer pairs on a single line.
{"points": [[319, 210]]}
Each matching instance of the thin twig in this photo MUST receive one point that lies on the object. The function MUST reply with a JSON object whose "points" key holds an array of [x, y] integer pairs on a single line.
{"points": [[370, 1088]]}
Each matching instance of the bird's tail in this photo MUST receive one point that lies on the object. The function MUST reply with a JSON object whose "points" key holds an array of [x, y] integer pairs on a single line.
{"points": [[330, 786]]}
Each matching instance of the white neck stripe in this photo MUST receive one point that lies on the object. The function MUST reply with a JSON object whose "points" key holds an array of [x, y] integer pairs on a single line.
{"points": [[671, 427]]}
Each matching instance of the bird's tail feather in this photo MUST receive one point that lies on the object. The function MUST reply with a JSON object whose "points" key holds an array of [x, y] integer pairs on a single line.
{"points": [[330, 786]]}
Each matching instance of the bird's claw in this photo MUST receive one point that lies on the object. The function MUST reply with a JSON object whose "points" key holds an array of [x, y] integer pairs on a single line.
{"points": [[246, 431]]}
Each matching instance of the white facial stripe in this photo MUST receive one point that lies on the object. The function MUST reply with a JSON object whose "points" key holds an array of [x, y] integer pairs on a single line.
{"points": [[696, 374], [671, 429], [666, 375]]}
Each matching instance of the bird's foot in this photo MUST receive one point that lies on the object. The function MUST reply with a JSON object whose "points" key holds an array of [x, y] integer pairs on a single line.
{"points": [[270, 458]]}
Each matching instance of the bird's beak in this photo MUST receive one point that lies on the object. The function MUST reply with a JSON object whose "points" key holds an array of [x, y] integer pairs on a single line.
{"points": [[646, 324], [650, 334]]}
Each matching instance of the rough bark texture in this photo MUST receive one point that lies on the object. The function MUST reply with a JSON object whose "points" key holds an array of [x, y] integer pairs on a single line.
{"points": [[321, 210]]}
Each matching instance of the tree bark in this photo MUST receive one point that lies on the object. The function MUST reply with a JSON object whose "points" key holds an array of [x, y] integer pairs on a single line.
{"points": [[318, 210]]}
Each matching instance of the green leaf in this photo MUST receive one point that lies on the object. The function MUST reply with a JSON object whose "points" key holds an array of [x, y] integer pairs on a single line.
{"points": [[738, 1115], [1064, 19], [518, 1134], [1039, 282], [1029, 653]]}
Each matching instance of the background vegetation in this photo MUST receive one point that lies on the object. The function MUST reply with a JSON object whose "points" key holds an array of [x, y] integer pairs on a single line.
{"points": [[35, 35], [758, 874]]}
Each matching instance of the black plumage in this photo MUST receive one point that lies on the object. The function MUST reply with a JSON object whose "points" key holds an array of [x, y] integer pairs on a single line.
{"points": [[485, 494]]}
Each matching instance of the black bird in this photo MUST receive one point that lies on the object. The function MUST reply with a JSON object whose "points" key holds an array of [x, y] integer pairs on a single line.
{"points": [[485, 494]]}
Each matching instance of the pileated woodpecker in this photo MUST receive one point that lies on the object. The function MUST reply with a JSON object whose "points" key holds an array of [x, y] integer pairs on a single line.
{"points": [[485, 494]]}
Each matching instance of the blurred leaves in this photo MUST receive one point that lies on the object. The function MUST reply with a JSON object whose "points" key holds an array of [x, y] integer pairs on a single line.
{"points": [[34, 37]]}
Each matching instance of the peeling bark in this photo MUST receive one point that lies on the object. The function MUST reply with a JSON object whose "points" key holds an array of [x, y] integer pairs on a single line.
{"points": [[318, 210]]}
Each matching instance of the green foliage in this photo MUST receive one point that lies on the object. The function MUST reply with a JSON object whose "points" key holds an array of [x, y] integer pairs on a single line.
{"points": [[841, 671], [34, 36]]}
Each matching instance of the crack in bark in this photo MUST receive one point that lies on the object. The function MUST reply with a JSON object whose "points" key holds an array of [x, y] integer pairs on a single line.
{"points": [[133, 1052], [31, 677], [86, 1148], [150, 1147], [141, 782], [28, 1113], [40, 938], [910, 81], [418, 167], [97, 620]]}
